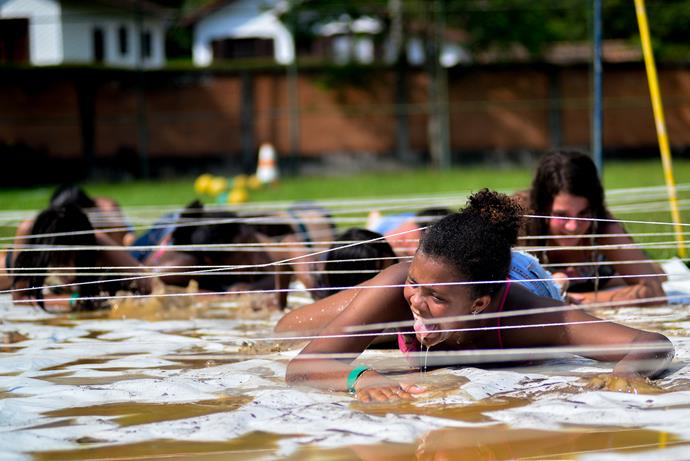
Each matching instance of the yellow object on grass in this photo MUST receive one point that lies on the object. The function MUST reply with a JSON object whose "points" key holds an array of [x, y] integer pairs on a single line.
{"points": [[217, 186], [238, 195], [253, 182], [202, 182]]}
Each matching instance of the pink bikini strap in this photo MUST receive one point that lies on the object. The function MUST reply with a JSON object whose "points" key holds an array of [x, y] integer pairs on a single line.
{"points": [[500, 309]]}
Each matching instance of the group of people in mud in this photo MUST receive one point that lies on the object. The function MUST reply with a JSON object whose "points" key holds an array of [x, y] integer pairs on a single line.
{"points": [[446, 280]]}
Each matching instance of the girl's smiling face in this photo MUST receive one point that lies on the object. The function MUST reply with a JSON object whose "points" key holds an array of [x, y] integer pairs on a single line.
{"points": [[430, 301], [565, 207]]}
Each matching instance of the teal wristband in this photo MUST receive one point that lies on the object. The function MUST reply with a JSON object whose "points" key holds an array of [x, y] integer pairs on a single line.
{"points": [[73, 299], [354, 376]]}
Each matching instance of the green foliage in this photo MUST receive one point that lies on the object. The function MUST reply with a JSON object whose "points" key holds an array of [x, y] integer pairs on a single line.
{"points": [[502, 24]]}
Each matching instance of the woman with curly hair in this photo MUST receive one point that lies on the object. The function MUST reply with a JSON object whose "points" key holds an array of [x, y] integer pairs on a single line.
{"points": [[458, 296]]}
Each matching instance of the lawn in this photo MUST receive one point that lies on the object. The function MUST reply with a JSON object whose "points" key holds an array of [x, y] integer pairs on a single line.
{"points": [[617, 175], [404, 182]]}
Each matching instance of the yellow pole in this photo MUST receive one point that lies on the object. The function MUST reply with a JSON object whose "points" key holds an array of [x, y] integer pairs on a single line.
{"points": [[660, 123]]}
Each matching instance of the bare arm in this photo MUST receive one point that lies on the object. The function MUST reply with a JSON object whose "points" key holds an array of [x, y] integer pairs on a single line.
{"points": [[109, 215], [636, 351], [369, 305], [120, 258], [313, 317], [640, 279]]}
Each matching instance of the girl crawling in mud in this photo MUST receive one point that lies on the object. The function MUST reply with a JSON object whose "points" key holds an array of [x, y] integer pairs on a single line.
{"points": [[461, 270], [60, 266], [67, 265]]}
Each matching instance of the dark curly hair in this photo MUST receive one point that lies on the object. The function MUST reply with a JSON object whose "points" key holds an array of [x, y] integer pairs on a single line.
{"points": [[476, 241], [564, 171]]}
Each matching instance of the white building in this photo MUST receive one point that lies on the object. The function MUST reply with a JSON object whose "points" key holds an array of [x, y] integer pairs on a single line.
{"points": [[232, 29], [125, 33], [241, 29]]}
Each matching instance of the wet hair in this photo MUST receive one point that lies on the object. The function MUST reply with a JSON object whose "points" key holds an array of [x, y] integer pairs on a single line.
{"points": [[564, 171], [192, 214], [58, 226], [476, 241], [70, 194], [356, 261], [213, 228]]}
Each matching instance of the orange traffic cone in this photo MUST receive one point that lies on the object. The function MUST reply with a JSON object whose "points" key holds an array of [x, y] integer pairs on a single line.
{"points": [[267, 171]]}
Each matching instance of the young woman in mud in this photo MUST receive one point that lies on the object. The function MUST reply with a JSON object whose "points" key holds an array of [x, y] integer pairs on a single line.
{"points": [[203, 242], [49, 274], [104, 213], [587, 255], [356, 256], [461, 271], [200, 242]]}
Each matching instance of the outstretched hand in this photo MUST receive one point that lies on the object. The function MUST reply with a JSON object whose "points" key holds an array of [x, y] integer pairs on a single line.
{"points": [[374, 387]]}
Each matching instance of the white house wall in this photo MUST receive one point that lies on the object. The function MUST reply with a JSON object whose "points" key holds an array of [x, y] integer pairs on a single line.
{"points": [[45, 28], [241, 19], [78, 39]]}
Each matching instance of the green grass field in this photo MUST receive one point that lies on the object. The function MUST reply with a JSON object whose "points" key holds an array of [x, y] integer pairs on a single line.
{"points": [[630, 174], [406, 182]]}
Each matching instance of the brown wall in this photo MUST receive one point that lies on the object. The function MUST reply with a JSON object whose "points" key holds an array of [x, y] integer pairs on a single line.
{"points": [[199, 114]]}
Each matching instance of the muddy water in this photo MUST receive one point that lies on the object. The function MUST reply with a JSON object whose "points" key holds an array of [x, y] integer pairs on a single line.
{"points": [[133, 413], [254, 446], [69, 379], [492, 443], [472, 413], [233, 340]]}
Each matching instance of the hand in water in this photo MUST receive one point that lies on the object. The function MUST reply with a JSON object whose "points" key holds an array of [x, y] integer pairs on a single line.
{"points": [[632, 384], [373, 387]]}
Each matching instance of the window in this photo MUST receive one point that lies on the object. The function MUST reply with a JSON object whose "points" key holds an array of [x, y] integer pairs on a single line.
{"points": [[146, 44], [123, 40], [98, 45], [14, 41], [242, 48]]}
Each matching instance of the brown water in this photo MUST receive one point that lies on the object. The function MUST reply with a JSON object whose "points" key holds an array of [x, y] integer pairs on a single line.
{"points": [[87, 361], [70, 380], [499, 443], [256, 446], [472, 413], [133, 413], [491, 443]]}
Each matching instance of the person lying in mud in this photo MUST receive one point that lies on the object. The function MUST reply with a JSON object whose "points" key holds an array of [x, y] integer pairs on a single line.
{"points": [[217, 250], [227, 253], [104, 213], [296, 239], [596, 260], [356, 256], [313, 317], [58, 270], [459, 273]]}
